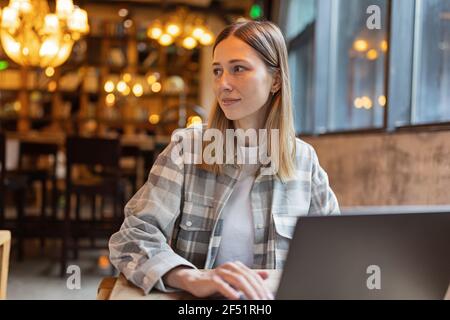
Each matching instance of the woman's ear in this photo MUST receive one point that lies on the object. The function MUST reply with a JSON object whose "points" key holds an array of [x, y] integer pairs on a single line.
{"points": [[276, 85]]}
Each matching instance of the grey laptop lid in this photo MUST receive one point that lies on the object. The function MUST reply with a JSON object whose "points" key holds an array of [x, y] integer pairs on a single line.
{"points": [[397, 256]]}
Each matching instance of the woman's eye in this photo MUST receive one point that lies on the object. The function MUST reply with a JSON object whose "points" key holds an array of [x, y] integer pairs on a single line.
{"points": [[216, 72], [238, 68]]}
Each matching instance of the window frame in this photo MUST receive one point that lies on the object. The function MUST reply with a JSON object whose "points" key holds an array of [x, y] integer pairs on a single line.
{"points": [[399, 82], [298, 43]]}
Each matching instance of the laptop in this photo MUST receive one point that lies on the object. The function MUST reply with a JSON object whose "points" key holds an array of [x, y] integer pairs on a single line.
{"points": [[387, 256]]}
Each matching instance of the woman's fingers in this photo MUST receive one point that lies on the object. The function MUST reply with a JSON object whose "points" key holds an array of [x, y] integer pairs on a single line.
{"points": [[224, 288], [254, 279], [240, 282], [251, 277], [263, 274]]}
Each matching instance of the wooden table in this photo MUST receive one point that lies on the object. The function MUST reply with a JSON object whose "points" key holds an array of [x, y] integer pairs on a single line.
{"points": [[5, 245], [120, 288], [143, 142]]}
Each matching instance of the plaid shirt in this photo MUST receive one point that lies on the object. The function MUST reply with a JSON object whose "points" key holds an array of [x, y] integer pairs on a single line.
{"points": [[175, 218]]}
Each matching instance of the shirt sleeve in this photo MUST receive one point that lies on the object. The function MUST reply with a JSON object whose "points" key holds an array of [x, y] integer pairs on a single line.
{"points": [[140, 249], [323, 199]]}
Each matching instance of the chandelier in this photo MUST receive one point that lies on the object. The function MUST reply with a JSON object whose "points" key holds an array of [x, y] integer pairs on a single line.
{"points": [[32, 36], [183, 28]]}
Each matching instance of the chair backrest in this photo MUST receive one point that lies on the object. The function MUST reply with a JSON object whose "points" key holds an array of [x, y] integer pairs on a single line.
{"points": [[32, 149], [100, 156], [35, 149], [130, 151], [2, 164], [5, 246], [2, 152], [93, 151]]}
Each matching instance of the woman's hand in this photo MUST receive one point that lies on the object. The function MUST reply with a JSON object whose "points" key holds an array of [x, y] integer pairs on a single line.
{"points": [[231, 280]]}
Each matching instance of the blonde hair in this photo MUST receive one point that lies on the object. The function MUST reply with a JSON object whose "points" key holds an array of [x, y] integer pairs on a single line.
{"points": [[268, 41]]}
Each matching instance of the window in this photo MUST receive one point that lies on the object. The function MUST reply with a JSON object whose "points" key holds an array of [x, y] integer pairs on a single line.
{"points": [[301, 62], [341, 77], [299, 30], [431, 75], [337, 64], [357, 66], [299, 14]]}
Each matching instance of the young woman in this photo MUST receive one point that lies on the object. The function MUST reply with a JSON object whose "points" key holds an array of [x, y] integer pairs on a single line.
{"points": [[205, 228]]}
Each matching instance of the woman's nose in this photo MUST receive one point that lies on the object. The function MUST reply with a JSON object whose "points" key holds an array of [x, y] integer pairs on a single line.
{"points": [[224, 83]]}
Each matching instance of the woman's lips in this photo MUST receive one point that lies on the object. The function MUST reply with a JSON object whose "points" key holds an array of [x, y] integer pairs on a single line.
{"points": [[229, 102]]}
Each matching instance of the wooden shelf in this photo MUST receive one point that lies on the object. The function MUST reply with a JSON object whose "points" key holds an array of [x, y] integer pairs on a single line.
{"points": [[96, 62], [79, 119], [124, 37]]}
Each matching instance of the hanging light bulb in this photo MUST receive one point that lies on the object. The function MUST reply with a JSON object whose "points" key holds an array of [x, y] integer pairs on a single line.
{"points": [[22, 6], [127, 91], [32, 36], [49, 72], [360, 45], [121, 86], [11, 47], [109, 86], [384, 46], [195, 120], [64, 8], [51, 24], [110, 99], [382, 100], [189, 43], [198, 32], [372, 54], [78, 21], [10, 19], [155, 31], [49, 48], [366, 102], [153, 119], [126, 77], [156, 87], [173, 29], [151, 79], [182, 28], [128, 23], [206, 39], [165, 40], [64, 52], [358, 103], [138, 90], [52, 86]]}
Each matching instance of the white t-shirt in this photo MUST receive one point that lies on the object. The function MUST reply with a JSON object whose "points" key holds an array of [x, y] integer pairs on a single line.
{"points": [[238, 227]]}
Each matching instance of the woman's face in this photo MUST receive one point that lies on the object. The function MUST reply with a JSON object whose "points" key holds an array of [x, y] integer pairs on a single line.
{"points": [[242, 81]]}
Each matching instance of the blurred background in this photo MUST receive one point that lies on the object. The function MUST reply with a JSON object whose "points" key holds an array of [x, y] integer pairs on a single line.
{"points": [[90, 92]]}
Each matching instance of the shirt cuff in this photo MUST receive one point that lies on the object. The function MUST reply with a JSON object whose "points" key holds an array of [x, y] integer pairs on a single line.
{"points": [[154, 271]]}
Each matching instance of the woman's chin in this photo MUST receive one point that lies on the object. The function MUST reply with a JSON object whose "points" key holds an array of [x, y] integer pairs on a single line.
{"points": [[232, 116]]}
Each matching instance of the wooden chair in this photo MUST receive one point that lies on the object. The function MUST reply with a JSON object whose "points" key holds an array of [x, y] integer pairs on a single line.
{"points": [[17, 185], [100, 158], [29, 155], [31, 151], [131, 174], [149, 160], [5, 246]]}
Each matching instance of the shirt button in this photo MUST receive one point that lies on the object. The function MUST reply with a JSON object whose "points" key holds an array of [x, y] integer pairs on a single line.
{"points": [[189, 223]]}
